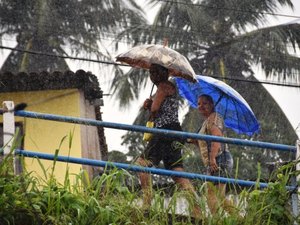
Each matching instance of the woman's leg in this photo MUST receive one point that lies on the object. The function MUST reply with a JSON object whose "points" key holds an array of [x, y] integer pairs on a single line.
{"points": [[146, 183], [227, 204], [216, 198], [185, 184], [212, 198]]}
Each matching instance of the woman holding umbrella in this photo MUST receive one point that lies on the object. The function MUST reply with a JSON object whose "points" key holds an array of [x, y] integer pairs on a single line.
{"points": [[221, 106], [215, 155], [163, 107]]}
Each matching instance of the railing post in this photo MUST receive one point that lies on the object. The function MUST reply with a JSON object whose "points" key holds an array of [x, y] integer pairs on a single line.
{"points": [[295, 180], [8, 129], [8, 126]]}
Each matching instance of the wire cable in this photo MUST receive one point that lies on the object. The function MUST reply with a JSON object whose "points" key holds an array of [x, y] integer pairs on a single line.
{"points": [[118, 64], [58, 56]]}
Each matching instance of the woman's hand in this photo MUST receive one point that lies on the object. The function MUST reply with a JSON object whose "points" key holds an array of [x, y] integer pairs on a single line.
{"points": [[213, 166], [215, 148], [192, 141], [147, 104]]}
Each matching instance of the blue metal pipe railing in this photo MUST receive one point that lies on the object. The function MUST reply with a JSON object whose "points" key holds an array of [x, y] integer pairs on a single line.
{"points": [[177, 134], [100, 163]]}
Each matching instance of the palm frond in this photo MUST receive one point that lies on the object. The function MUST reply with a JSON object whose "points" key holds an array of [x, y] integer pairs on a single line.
{"points": [[127, 87], [272, 47]]}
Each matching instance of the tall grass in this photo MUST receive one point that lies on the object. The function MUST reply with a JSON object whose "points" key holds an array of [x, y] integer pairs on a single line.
{"points": [[26, 199]]}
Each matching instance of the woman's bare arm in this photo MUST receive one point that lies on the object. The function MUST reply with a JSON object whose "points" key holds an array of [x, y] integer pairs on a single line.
{"points": [[215, 147], [163, 90]]}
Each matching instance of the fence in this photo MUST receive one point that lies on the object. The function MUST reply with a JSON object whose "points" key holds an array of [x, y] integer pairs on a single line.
{"points": [[9, 131]]}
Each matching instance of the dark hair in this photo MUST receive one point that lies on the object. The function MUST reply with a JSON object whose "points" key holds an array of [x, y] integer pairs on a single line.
{"points": [[162, 71], [208, 97]]}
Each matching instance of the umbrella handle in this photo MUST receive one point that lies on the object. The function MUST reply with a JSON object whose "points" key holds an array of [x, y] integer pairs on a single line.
{"points": [[150, 116], [151, 90], [219, 99]]}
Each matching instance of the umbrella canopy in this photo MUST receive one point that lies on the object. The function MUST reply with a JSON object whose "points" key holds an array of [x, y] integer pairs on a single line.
{"points": [[236, 112], [144, 55]]}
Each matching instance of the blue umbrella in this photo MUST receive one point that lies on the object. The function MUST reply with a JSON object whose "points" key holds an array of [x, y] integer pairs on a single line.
{"points": [[236, 112]]}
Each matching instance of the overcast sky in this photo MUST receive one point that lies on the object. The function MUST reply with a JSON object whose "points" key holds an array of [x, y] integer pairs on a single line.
{"points": [[288, 98]]}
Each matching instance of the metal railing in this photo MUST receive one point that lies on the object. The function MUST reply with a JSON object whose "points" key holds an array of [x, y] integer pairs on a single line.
{"points": [[8, 130]]}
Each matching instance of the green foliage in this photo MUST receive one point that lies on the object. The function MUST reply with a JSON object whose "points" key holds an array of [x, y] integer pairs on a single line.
{"points": [[114, 198], [272, 205], [79, 27], [107, 199]]}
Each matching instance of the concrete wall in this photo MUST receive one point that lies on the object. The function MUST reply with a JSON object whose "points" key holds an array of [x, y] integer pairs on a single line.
{"points": [[47, 136], [89, 136]]}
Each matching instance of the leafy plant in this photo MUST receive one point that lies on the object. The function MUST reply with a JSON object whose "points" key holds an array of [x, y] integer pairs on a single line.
{"points": [[111, 199]]}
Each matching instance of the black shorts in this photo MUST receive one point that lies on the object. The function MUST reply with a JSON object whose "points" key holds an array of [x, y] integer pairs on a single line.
{"points": [[167, 149]]}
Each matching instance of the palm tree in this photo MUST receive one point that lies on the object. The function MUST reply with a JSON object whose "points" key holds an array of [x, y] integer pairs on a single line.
{"points": [[62, 27], [215, 36]]}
